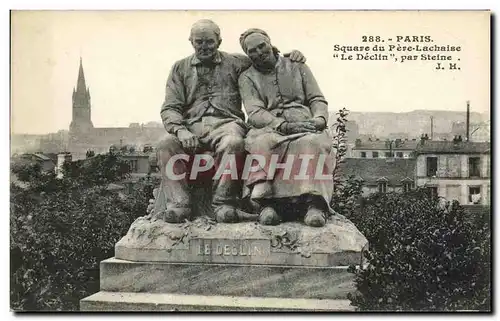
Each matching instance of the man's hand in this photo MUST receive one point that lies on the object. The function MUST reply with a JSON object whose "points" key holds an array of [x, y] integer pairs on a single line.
{"points": [[296, 56], [298, 127], [188, 140], [319, 123]]}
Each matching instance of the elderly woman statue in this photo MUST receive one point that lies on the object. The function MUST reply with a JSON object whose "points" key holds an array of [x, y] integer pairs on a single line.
{"points": [[287, 114]]}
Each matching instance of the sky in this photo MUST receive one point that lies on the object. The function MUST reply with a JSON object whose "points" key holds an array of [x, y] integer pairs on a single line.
{"points": [[127, 56]]}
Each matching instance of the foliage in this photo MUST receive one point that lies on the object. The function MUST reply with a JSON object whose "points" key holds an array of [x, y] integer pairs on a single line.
{"points": [[28, 171], [147, 148], [339, 133], [142, 192], [346, 191], [423, 255], [62, 228], [90, 153], [98, 170], [347, 196]]}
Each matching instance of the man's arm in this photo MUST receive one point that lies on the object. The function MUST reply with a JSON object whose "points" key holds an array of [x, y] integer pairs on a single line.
{"points": [[314, 97], [175, 101], [258, 115], [245, 62]]}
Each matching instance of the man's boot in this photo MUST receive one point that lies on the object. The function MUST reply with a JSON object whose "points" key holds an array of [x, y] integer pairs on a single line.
{"points": [[225, 214], [175, 215]]}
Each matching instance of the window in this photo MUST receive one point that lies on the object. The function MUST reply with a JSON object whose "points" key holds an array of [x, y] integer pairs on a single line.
{"points": [[399, 154], [432, 166], [474, 194], [387, 154], [432, 191], [363, 154], [133, 165], [375, 154], [382, 187], [407, 186], [474, 167]]}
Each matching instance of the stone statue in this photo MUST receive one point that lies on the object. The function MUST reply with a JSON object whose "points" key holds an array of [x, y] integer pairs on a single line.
{"points": [[175, 250], [202, 114], [288, 117]]}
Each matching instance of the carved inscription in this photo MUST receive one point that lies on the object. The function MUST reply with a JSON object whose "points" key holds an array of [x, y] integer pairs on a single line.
{"points": [[229, 248]]}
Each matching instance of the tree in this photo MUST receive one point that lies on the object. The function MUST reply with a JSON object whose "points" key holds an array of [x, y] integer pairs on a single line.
{"points": [[100, 169], [347, 196], [62, 228], [90, 153], [346, 190], [339, 132], [27, 171], [147, 148]]}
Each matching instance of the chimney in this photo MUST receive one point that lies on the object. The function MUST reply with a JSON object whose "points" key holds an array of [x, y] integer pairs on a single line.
{"points": [[61, 159], [432, 127], [467, 122], [398, 142], [358, 142], [422, 139]]}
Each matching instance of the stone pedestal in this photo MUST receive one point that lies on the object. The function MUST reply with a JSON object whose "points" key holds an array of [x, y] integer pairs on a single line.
{"points": [[201, 266]]}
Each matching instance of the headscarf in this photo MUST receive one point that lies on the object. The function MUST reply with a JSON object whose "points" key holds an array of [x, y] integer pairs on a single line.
{"points": [[250, 31]]}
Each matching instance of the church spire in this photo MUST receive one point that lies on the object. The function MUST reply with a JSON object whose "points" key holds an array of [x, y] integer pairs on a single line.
{"points": [[81, 120], [81, 86]]}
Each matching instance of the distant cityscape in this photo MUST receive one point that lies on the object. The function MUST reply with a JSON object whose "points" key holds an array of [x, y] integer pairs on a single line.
{"points": [[448, 152], [83, 136]]}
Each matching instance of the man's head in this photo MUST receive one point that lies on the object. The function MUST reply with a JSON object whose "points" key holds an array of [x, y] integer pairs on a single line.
{"points": [[257, 45], [205, 38]]}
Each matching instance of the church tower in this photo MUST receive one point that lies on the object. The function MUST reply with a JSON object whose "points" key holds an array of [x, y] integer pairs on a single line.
{"points": [[81, 120]]}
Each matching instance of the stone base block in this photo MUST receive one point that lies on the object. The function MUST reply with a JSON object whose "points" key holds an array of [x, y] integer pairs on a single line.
{"points": [[226, 279], [126, 301], [338, 243]]}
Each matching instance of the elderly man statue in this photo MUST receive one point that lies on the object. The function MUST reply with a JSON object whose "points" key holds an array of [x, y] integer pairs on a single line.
{"points": [[202, 113], [288, 116]]}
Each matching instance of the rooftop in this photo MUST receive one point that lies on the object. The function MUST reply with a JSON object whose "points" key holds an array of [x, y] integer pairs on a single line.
{"points": [[42, 156], [135, 154], [452, 147], [35, 156], [383, 144], [373, 170]]}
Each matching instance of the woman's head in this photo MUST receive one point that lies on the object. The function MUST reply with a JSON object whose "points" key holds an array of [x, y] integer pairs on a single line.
{"points": [[257, 45]]}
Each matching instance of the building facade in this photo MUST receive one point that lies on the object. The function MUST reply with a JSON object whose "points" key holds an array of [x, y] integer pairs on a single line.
{"points": [[397, 148], [456, 170], [46, 163]]}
